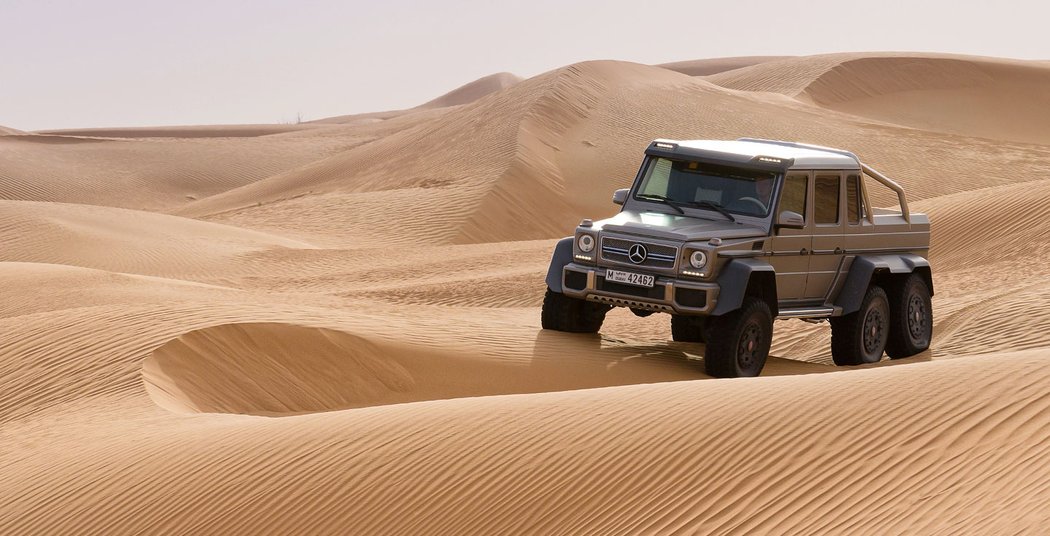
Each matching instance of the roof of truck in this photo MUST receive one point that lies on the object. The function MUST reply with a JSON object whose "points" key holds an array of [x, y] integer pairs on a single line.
{"points": [[793, 154]]}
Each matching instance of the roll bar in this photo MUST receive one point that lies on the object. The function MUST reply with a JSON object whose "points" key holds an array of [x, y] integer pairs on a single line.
{"points": [[887, 182]]}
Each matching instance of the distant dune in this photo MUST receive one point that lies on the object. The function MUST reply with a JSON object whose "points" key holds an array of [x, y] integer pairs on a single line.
{"points": [[334, 327], [710, 66], [6, 131], [965, 95], [200, 131], [464, 94]]}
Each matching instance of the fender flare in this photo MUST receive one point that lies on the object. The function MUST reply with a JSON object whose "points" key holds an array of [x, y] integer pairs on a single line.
{"points": [[561, 257], [863, 268], [733, 282]]}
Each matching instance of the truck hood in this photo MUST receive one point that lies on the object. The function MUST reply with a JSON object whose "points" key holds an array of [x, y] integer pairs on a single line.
{"points": [[676, 227]]}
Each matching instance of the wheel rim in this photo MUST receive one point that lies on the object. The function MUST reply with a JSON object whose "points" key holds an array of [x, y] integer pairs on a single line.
{"points": [[874, 328], [917, 318], [748, 347]]}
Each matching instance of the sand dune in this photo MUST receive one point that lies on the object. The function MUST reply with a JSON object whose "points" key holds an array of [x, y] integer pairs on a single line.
{"points": [[7, 131], [335, 328], [552, 144]]}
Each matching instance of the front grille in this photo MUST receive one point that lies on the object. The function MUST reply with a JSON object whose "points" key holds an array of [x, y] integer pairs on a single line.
{"points": [[690, 297], [654, 293], [659, 256]]}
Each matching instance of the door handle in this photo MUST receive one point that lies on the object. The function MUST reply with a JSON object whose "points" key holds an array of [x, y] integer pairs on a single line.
{"points": [[803, 251]]}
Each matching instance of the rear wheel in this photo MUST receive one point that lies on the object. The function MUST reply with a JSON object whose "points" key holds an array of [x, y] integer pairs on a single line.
{"points": [[688, 328], [738, 342], [563, 313], [860, 337], [911, 318]]}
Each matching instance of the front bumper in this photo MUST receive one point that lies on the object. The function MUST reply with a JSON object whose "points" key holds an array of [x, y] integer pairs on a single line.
{"points": [[668, 294]]}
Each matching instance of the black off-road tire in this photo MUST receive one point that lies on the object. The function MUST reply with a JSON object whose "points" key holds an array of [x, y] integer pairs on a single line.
{"points": [[738, 342], [688, 328], [563, 313], [911, 318], [860, 337]]}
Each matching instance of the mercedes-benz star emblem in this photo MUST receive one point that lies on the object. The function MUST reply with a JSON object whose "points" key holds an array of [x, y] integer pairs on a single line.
{"points": [[637, 254]]}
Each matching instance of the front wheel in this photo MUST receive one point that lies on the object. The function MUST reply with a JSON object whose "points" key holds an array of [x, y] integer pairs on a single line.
{"points": [[738, 342], [563, 313]]}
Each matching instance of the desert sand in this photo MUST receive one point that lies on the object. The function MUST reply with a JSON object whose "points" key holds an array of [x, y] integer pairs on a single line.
{"points": [[333, 327]]}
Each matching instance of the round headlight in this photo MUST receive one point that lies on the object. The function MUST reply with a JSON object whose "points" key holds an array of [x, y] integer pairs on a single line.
{"points": [[698, 259], [586, 243]]}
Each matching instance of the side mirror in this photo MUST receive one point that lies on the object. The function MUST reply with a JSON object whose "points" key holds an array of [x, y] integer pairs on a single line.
{"points": [[790, 220], [620, 196]]}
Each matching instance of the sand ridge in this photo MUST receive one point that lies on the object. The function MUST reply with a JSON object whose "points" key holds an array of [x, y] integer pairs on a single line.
{"points": [[334, 328]]}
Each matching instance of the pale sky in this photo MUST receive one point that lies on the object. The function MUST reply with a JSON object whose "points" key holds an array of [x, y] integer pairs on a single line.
{"points": [[71, 64]]}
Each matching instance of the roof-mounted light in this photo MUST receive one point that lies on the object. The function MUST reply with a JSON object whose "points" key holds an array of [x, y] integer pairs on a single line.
{"points": [[769, 160], [663, 145]]}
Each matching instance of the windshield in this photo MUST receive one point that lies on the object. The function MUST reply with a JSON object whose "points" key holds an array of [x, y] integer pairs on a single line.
{"points": [[696, 184]]}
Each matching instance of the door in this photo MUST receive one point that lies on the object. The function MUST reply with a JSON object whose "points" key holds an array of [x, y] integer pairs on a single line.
{"points": [[791, 247], [828, 229]]}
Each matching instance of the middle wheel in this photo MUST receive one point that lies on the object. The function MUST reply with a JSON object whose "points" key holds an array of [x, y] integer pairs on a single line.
{"points": [[860, 337], [738, 342]]}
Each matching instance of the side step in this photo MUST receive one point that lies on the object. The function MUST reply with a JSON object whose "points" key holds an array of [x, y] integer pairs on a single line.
{"points": [[807, 312]]}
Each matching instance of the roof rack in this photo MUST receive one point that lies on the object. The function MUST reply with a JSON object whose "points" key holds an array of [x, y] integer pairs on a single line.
{"points": [[798, 145], [886, 181]]}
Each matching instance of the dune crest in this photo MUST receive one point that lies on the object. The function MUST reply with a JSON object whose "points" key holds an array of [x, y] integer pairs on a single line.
{"points": [[271, 369], [709, 66], [473, 91]]}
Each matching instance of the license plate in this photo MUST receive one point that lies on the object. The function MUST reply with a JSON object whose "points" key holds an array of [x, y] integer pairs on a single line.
{"points": [[627, 278]]}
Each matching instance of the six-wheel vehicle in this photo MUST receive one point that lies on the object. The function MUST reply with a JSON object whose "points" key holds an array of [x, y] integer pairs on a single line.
{"points": [[727, 236]]}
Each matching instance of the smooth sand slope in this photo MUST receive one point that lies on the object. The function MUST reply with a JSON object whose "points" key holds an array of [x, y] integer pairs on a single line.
{"points": [[339, 331]]}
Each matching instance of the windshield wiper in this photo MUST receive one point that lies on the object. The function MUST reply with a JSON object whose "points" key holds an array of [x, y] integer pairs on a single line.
{"points": [[677, 205], [712, 204], [659, 198]]}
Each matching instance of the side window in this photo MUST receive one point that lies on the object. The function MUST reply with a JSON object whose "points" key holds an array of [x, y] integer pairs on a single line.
{"points": [[826, 199], [854, 203], [794, 196]]}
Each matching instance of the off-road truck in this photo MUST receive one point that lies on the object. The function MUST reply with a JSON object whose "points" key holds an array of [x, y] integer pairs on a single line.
{"points": [[727, 236]]}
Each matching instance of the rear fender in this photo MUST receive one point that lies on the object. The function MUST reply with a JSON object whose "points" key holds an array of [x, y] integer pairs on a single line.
{"points": [[863, 268]]}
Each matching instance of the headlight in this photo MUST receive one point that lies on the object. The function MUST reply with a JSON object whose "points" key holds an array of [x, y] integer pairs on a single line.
{"points": [[698, 259], [585, 242]]}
